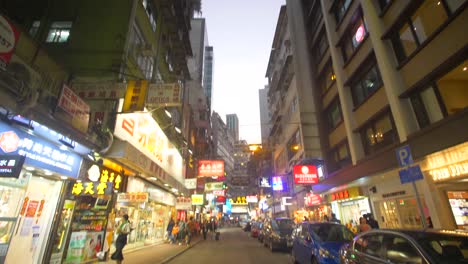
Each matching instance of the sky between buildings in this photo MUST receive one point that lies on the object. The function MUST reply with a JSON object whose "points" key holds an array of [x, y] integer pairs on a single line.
{"points": [[241, 33]]}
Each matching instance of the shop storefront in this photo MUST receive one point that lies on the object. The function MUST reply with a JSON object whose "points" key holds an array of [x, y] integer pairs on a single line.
{"points": [[349, 205], [33, 166], [447, 173], [90, 202], [149, 209], [315, 209]]}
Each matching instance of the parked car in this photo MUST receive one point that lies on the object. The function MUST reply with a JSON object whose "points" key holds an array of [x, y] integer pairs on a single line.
{"points": [[277, 233], [407, 246], [255, 230], [319, 242]]}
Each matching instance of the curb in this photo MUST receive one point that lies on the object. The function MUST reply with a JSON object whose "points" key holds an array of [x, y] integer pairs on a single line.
{"points": [[168, 259]]}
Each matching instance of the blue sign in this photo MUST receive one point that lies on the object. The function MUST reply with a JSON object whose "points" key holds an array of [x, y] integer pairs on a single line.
{"points": [[277, 183], [411, 174], [404, 156], [38, 152]]}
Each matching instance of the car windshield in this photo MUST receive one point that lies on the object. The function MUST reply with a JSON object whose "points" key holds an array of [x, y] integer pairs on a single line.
{"points": [[282, 224], [443, 248], [331, 233]]}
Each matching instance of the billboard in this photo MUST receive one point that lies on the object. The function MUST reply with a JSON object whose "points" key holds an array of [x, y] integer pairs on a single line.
{"points": [[210, 168], [305, 174], [164, 94], [197, 199], [135, 95], [210, 186], [277, 183], [8, 36], [72, 109]]}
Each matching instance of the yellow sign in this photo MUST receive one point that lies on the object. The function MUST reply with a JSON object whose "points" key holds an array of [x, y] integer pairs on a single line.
{"points": [[240, 200], [135, 95], [197, 199], [108, 181], [447, 164]]}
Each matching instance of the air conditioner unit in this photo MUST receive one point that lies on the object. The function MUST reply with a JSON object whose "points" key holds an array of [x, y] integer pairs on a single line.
{"points": [[147, 50]]}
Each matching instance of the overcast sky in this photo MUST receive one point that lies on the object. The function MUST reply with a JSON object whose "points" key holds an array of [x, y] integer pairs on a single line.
{"points": [[241, 33]]}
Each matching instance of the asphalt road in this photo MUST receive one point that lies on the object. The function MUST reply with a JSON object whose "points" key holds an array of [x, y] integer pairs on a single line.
{"points": [[234, 246]]}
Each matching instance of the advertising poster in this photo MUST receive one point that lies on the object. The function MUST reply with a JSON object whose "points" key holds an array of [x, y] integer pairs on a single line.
{"points": [[76, 247], [94, 244]]}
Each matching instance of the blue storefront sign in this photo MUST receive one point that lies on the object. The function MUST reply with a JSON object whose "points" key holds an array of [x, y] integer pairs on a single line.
{"points": [[411, 174], [38, 152]]}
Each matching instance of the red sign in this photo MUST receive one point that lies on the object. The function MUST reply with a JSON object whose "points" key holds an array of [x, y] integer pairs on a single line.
{"points": [[340, 195], [9, 141], [8, 38], [209, 168], [221, 199], [305, 174], [75, 108], [218, 192], [360, 33], [312, 199]]}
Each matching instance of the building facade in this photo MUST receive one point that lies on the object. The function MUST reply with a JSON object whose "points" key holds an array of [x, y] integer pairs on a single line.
{"points": [[265, 115], [232, 122], [208, 75]]}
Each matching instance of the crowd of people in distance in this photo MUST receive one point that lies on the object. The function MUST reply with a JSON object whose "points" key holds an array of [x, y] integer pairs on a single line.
{"points": [[181, 232]]}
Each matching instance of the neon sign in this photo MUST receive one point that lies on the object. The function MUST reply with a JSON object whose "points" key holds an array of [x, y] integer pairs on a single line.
{"points": [[277, 184]]}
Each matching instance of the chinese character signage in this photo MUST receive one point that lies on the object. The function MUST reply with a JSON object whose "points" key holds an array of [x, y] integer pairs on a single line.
{"points": [[92, 188], [197, 199], [8, 39], [210, 168], [100, 90], [72, 109], [103, 182], [191, 184], [312, 199], [38, 152], [143, 132], [305, 174], [218, 192], [345, 194], [183, 203], [213, 186], [10, 166], [239, 200], [132, 197], [135, 95], [277, 183], [264, 182], [164, 94], [252, 199]]}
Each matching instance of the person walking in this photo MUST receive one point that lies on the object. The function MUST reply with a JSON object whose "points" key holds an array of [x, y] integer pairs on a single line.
{"points": [[363, 225], [123, 230], [204, 227], [334, 219], [170, 227], [190, 230], [182, 231]]}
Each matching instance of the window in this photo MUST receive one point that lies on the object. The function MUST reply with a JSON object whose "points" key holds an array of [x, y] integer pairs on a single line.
{"points": [[399, 250], [34, 28], [365, 86], [422, 24], [339, 157], [320, 47], [445, 96], [370, 245], [340, 9], [326, 78], [152, 16], [59, 32], [294, 144], [145, 63], [354, 36], [378, 134], [333, 114], [313, 17]]}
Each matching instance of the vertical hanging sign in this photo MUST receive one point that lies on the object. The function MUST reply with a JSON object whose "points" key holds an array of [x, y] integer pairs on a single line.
{"points": [[135, 95]]}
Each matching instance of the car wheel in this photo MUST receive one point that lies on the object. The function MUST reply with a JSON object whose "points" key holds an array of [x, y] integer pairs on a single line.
{"points": [[314, 261]]}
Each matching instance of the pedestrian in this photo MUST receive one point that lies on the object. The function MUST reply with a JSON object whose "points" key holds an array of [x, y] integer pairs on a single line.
{"points": [[429, 222], [123, 230], [170, 227], [182, 231], [372, 222], [213, 228], [363, 225], [325, 218], [204, 227], [334, 219], [190, 230]]}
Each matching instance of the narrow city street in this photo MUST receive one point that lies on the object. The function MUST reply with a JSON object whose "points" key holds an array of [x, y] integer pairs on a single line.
{"points": [[234, 246]]}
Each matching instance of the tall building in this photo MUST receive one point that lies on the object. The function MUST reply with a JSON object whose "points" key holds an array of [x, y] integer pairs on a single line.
{"points": [[389, 78], [265, 115], [232, 123], [223, 142], [208, 75]]}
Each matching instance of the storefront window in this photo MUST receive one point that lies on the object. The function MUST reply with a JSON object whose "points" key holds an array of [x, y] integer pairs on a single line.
{"points": [[401, 213], [459, 205]]}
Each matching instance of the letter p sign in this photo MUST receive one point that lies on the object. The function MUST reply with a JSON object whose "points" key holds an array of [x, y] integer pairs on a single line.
{"points": [[404, 156]]}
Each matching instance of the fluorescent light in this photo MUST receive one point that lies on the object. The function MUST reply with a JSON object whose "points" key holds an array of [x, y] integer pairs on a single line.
{"points": [[178, 130], [168, 113], [63, 177], [190, 151], [174, 190], [153, 178], [166, 184], [48, 173], [62, 147], [29, 168]]}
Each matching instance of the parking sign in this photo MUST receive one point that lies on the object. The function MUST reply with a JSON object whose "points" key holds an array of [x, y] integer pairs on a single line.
{"points": [[404, 156]]}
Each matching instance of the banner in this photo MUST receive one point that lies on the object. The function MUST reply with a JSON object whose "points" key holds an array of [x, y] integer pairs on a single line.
{"points": [[213, 186], [183, 203], [164, 94], [135, 95], [72, 109], [209, 168], [8, 39], [191, 184]]}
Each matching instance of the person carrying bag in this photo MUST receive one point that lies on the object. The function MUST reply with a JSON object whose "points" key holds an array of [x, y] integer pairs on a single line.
{"points": [[122, 231]]}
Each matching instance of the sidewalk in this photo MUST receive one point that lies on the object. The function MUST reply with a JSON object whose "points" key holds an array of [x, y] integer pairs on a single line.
{"points": [[160, 253]]}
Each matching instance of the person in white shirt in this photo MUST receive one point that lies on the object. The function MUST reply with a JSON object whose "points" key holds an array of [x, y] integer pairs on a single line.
{"points": [[123, 230]]}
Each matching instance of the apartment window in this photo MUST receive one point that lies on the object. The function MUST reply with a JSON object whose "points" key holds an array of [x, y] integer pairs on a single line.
{"points": [[313, 17], [34, 28], [421, 25], [445, 96], [378, 133], [366, 85], [294, 144], [145, 63], [59, 32], [339, 157], [333, 114], [340, 9], [320, 46], [152, 16], [326, 78], [354, 36]]}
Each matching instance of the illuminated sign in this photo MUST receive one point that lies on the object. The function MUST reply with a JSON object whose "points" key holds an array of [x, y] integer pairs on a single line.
{"points": [[447, 164], [240, 200], [252, 199], [10, 166], [135, 95], [73, 109], [213, 186], [191, 184], [264, 182], [220, 199], [312, 199], [108, 181], [450, 171], [197, 199], [209, 168], [277, 183], [9, 36], [38, 152], [133, 197], [346, 194], [144, 133], [360, 34], [218, 192], [305, 174], [183, 203]]}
